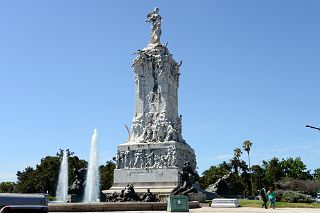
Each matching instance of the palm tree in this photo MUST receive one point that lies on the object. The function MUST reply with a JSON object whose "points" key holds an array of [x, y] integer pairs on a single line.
{"points": [[247, 146], [236, 159], [237, 153]]}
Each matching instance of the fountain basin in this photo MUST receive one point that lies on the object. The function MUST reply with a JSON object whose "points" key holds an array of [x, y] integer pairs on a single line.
{"points": [[112, 206]]}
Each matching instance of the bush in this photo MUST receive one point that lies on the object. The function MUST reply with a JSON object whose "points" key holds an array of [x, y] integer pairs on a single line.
{"points": [[292, 197], [279, 194], [309, 187]]}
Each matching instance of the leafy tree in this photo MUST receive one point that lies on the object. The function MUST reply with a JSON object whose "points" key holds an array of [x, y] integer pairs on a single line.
{"points": [[317, 174], [309, 187], [236, 184], [258, 176], [26, 180], [295, 168], [288, 173], [239, 179], [47, 173], [75, 164], [244, 178], [8, 187], [60, 153], [273, 171], [211, 175], [44, 178], [106, 175]]}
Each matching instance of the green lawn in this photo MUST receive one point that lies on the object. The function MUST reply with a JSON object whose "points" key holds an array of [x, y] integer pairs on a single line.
{"points": [[257, 203]]}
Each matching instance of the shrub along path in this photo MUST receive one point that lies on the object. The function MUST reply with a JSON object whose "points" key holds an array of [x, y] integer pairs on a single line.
{"points": [[257, 203]]}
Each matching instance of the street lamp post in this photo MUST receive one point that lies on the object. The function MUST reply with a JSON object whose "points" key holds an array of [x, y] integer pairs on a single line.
{"points": [[312, 127]]}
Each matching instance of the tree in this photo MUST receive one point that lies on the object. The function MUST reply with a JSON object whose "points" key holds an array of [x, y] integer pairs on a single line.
{"points": [[46, 175], [8, 187], [317, 174], [75, 164], [309, 187], [258, 174], [26, 180], [106, 175], [60, 153], [273, 171], [235, 161], [295, 168], [44, 178], [288, 173], [247, 146], [211, 175], [237, 153]]}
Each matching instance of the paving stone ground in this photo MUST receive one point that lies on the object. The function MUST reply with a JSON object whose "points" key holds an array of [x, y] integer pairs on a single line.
{"points": [[239, 210]]}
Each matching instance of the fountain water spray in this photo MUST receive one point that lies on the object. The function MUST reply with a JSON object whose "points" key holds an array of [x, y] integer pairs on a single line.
{"points": [[62, 188], [92, 189]]}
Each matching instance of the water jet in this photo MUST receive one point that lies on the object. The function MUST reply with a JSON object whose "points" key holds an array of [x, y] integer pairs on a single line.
{"points": [[62, 187], [92, 187]]}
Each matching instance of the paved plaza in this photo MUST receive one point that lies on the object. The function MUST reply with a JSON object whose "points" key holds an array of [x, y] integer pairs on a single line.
{"points": [[255, 210], [240, 210]]}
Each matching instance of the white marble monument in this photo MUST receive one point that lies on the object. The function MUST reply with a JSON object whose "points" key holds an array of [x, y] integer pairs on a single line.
{"points": [[155, 150]]}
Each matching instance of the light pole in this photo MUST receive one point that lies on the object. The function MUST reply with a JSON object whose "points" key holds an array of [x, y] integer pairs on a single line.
{"points": [[312, 127]]}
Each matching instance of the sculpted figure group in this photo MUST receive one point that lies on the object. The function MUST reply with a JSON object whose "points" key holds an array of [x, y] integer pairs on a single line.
{"points": [[156, 128], [150, 159], [128, 194]]}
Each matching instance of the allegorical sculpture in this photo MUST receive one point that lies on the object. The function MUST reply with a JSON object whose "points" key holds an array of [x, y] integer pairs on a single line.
{"points": [[188, 178], [155, 19], [222, 186], [155, 151]]}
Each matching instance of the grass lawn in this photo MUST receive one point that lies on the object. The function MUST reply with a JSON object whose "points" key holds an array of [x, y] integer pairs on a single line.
{"points": [[257, 203]]}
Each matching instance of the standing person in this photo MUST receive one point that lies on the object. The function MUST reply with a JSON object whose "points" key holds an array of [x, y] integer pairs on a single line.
{"points": [[263, 197], [272, 198]]}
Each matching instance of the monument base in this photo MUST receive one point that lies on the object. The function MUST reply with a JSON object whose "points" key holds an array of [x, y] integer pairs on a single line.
{"points": [[153, 166], [159, 181]]}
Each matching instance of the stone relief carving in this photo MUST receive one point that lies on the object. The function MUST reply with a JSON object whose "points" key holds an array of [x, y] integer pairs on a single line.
{"points": [[153, 158], [150, 160]]}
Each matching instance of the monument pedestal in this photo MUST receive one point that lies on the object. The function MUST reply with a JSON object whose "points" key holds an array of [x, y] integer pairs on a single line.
{"points": [[159, 181], [150, 165]]}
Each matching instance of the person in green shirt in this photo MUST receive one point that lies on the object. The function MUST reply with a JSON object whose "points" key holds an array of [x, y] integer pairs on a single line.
{"points": [[272, 198]]}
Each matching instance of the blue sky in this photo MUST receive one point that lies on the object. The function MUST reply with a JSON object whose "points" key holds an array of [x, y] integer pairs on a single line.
{"points": [[250, 72]]}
